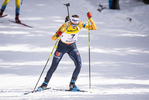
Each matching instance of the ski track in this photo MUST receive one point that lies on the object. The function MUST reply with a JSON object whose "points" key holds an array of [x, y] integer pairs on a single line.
{"points": [[119, 51]]}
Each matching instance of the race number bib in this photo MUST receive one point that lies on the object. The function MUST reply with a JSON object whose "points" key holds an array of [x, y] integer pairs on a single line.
{"points": [[69, 38]]}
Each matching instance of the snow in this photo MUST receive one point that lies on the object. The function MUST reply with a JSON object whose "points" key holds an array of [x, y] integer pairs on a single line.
{"points": [[119, 51]]}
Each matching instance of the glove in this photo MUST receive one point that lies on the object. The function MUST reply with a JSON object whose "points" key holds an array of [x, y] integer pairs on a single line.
{"points": [[54, 38], [89, 14], [67, 19]]}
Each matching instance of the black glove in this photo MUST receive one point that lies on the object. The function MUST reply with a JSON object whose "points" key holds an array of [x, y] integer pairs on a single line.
{"points": [[67, 19]]}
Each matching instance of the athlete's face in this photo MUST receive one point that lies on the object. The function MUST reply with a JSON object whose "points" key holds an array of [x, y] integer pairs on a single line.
{"points": [[74, 25]]}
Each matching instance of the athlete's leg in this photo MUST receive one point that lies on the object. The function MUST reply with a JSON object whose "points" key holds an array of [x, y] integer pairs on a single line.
{"points": [[3, 6], [75, 56], [56, 59], [61, 49], [17, 2]]}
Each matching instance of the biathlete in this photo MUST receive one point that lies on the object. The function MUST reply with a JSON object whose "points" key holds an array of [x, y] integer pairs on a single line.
{"points": [[17, 2], [67, 44]]}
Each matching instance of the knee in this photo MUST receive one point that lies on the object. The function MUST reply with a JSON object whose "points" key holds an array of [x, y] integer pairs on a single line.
{"points": [[79, 65]]}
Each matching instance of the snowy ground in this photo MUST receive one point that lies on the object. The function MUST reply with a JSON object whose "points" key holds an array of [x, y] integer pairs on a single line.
{"points": [[119, 51]]}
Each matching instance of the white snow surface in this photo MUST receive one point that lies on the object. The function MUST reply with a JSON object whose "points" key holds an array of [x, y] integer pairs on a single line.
{"points": [[119, 51]]}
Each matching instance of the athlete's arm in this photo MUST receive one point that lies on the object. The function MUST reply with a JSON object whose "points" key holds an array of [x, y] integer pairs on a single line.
{"points": [[85, 25], [59, 32], [92, 26]]}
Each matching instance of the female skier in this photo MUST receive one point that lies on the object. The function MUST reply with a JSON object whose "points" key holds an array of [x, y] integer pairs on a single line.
{"points": [[67, 44], [17, 2]]}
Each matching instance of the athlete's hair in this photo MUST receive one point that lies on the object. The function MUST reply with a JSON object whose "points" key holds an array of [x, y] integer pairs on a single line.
{"points": [[76, 16]]}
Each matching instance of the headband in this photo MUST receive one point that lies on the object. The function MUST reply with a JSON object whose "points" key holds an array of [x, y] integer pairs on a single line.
{"points": [[74, 20]]}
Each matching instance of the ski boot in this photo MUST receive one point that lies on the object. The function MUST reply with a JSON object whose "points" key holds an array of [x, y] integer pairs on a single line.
{"points": [[43, 86], [1, 13], [72, 86], [17, 19]]}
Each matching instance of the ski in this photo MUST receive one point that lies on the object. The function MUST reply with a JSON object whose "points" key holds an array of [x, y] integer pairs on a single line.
{"points": [[62, 90], [26, 93], [3, 16], [67, 90], [20, 23]]}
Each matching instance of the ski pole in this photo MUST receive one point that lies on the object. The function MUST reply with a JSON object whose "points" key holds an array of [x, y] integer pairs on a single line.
{"points": [[55, 46], [21, 2], [89, 53]]}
